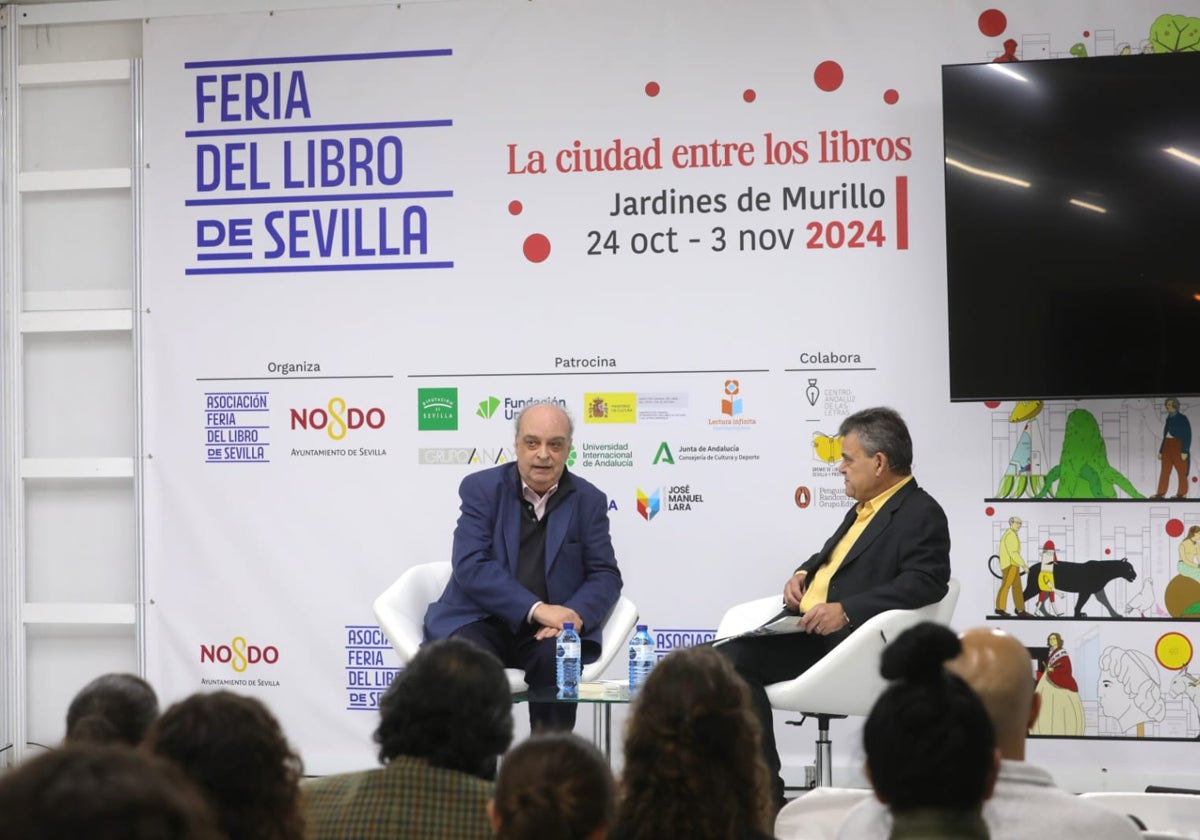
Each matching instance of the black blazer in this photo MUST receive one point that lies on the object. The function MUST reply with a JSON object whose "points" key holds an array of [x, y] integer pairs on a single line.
{"points": [[901, 560]]}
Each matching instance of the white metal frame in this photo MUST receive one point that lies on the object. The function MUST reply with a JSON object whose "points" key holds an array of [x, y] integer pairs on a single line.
{"points": [[60, 312]]}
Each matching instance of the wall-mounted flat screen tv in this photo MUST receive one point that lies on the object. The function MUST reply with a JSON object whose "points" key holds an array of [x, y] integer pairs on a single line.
{"points": [[1073, 227]]}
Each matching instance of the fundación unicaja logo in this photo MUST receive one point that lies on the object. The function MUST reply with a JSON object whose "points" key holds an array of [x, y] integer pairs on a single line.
{"points": [[437, 409], [487, 408]]}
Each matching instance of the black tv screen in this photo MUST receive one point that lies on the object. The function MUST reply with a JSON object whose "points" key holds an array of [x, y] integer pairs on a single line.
{"points": [[1073, 227]]}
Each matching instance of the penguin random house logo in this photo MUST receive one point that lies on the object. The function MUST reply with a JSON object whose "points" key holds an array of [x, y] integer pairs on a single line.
{"points": [[240, 656], [680, 498], [437, 409]]}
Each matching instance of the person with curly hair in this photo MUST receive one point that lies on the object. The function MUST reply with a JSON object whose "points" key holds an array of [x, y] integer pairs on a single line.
{"points": [[693, 758], [930, 745], [113, 708], [553, 785], [235, 750], [443, 722], [102, 792]]}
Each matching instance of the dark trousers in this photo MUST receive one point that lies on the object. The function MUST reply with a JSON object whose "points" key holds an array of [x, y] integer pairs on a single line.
{"points": [[762, 660], [533, 656]]}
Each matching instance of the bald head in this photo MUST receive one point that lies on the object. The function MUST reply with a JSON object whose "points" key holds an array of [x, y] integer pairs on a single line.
{"points": [[998, 668]]}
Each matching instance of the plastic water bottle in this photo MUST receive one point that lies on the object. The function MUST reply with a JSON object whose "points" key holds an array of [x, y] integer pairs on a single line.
{"points": [[641, 657], [568, 654]]}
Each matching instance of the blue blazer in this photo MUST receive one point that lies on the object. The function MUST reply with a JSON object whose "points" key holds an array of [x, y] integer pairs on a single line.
{"points": [[581, 568]]}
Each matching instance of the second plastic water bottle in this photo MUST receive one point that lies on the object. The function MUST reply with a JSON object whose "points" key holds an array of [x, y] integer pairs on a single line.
{"points": [[641, 657], [568, 654]]}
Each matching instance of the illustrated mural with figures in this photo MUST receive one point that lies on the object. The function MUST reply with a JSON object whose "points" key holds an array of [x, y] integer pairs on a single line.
{"points": [[1095, 528]]}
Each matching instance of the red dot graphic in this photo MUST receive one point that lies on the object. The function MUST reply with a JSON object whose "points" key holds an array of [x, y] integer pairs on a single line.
{"points": [[515, 208], [992, 403], [749, 95], [828, 76], [992, 22], [652, 89], [1174, 527], [1087, 34], [537, 247], [990, 511], [891, 96], [1108, 551]]}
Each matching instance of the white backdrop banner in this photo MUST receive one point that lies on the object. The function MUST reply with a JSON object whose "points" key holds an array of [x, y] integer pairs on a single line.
{"points": [[710, 230]]}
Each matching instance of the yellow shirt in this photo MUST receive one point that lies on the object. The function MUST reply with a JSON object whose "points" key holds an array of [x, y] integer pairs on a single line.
{"points": [[817, 591]]}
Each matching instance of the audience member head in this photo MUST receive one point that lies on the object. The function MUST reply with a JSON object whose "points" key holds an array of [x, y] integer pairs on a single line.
{"points": [[112, 708], [883, 430], [693, 764], [102, 792], [235, 750], [553, 785], [451, 705], [928, 740], [999, 670]]}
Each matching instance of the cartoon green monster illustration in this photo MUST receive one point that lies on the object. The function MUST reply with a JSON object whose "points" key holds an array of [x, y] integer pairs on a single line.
{"points": [[1083, 471], [1079, 50], [1175, 33]]}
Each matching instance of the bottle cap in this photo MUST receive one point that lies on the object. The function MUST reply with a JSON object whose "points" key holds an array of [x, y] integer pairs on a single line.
{"points": [[641, 627], [568, 625]]}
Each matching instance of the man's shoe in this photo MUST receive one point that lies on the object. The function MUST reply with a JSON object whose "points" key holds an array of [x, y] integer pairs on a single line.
{"points": [[1002, 613], [1157, 496], [1023, 614], [1180, 496]]}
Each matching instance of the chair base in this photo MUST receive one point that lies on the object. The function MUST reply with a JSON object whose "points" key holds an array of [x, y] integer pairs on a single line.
{"points": [[823, 776]]}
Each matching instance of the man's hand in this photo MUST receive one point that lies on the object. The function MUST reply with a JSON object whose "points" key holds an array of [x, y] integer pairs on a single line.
{"points": [[793, 590], [823, 619], [552, 617]]}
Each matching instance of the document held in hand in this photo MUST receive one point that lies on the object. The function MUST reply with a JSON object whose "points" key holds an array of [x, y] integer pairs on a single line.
{"points": [[785, 621]]}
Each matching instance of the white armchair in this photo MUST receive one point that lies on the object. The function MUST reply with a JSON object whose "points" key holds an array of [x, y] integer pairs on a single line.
{"points": [[400, 611], [845, 681]]}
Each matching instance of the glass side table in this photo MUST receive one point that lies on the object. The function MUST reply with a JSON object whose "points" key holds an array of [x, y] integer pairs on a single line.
{"points": [[602, 693]]}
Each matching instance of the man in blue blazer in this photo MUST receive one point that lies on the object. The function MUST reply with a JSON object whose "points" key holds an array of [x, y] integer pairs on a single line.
{"points": [[892, 551], [531, 551]]}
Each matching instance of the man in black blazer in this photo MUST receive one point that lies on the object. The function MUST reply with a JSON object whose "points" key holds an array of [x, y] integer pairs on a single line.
{"points": [[892, 551]]}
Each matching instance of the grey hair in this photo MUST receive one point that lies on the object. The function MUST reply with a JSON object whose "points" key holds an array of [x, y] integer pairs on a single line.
{"points": [[535, 404], [883, 430]]}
